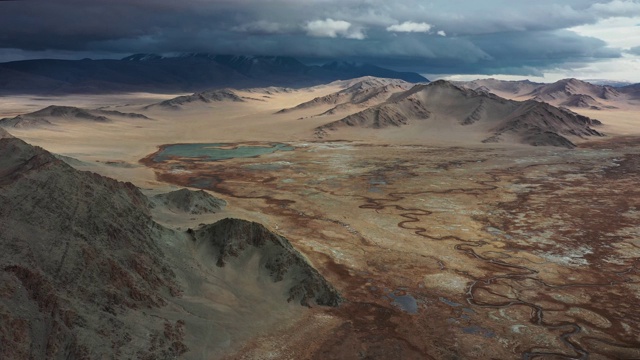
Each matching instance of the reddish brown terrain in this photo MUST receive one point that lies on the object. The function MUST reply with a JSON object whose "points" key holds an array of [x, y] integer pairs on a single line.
{"points": [[440, 252], [411, 238]]}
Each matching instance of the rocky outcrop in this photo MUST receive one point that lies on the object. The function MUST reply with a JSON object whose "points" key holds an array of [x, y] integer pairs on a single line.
{"points": [[235, 239], [190, 202]]}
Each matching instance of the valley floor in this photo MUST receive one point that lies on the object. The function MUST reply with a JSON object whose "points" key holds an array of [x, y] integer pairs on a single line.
{"points": [[442, 249]]}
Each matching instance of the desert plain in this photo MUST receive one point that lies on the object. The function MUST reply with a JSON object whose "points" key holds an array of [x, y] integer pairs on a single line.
{"points": [[441, 246]]}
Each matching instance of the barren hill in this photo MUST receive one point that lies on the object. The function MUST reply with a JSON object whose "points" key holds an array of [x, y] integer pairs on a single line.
{"points": [[200, 97], [360, 92], [53, 114], [87, 273], [573, 92], [471, 112]]}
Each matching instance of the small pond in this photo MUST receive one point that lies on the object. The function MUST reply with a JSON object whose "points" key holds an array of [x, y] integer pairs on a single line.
{"points": [[217, 151]]}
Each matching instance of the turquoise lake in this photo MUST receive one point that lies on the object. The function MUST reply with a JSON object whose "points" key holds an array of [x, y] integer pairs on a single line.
{"points": [[216, 151]]}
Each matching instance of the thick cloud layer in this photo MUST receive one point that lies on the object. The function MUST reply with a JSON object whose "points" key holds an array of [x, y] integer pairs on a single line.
{"points": [[438, 36]]}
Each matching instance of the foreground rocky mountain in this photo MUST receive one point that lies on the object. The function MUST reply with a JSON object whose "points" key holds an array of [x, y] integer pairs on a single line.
{"points": [[87, 273], [471, 112], [54, 114], [183, 73]]}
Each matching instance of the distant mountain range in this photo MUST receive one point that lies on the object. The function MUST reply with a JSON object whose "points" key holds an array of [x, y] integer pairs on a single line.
{"points": [[184, 73], [571, 93]]}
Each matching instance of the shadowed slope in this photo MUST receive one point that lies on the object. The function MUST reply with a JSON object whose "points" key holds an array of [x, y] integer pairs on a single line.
{"points": [[237, 241]]}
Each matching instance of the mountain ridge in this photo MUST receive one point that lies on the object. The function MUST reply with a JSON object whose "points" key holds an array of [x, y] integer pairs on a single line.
{"points": [[530, 122], [185, 73]]}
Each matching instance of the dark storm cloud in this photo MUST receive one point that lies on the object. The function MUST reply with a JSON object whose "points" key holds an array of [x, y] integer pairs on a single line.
{"points": [[481, 36]]}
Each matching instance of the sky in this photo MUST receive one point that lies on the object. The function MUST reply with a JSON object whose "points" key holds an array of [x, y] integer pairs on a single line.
{"points": [[541, 40]]}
